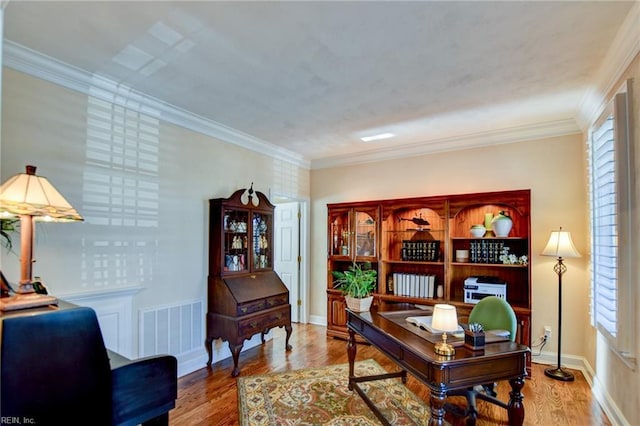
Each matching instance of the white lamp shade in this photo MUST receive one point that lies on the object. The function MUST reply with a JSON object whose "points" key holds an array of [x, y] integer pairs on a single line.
{"points": [[444, 318], [560, 245], [29, 194]]}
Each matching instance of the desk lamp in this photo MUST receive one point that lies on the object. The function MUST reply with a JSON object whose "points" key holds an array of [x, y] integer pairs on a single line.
{"points": [[31, 197], [560, 246], [444, 319]]}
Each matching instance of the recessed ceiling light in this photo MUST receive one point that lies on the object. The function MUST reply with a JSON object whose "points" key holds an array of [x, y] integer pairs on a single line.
{"points": [[377, 137]]}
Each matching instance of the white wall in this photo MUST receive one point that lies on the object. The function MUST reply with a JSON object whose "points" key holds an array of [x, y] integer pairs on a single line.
{"points": [[146, 225]]}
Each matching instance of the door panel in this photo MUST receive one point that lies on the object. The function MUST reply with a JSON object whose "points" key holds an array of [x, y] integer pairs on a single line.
{"points": [[287, 250]]}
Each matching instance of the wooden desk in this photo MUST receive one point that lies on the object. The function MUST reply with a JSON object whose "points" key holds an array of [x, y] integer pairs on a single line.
{"points": [[414, 353]]}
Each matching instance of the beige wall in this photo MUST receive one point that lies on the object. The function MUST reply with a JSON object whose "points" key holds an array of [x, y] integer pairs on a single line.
{"points": [[554, 171]]}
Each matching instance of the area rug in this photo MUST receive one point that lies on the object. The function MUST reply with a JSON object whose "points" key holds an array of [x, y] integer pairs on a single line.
{"points": [[320, 396]]}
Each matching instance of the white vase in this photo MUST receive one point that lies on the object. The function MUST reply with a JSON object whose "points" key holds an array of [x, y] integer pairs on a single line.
{"points": [[478, 231], [501, 226]]}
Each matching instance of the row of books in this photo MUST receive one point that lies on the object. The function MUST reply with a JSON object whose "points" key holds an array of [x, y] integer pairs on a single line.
{"points": [[428, 251], [413, 285], [486, 251]]}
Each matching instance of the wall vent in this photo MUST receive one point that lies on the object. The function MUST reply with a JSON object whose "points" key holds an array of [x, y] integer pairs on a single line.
{"points": [[174, 329]]}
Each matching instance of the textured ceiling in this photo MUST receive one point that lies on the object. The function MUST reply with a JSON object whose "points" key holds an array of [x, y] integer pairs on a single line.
{"points": [[313, 77]]}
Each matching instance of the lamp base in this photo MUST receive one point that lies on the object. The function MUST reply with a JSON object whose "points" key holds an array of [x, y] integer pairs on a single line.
{"points": [[559, 374], [24, 301], [443, 348]]}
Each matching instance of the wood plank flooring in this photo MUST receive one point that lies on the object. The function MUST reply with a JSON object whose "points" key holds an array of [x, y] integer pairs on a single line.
{"points": [[209, 396]]}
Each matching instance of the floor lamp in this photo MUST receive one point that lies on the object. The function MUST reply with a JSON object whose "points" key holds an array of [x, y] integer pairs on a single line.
{"points": [[31, 197], [560, 246]]}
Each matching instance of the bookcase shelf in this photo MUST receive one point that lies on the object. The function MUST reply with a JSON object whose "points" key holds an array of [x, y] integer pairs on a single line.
{"points": [[488, 265], [413, 262]]}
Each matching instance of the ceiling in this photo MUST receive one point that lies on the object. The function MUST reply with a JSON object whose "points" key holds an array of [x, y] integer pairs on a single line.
{"points": [[313, 77]]}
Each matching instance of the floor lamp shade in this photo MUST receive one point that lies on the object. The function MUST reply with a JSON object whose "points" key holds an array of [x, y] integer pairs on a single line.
{"points": [[31, 197], [560, 246]]}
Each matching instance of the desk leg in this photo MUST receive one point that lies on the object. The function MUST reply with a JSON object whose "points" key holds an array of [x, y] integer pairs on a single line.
{"points": [[516, 407], [437, 408], [351, 353]]}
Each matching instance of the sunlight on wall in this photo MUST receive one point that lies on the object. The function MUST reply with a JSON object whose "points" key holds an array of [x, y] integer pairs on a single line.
{"points": [[120, 190], [288, 181]]}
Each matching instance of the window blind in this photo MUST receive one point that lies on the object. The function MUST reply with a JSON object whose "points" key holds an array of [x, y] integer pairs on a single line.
{"points": [[604, 233]]}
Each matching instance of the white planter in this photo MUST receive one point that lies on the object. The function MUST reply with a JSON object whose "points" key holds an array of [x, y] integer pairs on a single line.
{"points": [[359, 305]]}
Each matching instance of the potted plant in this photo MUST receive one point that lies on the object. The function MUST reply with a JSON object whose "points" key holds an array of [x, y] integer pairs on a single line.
{"points": [[7, 227], [357, 284]]}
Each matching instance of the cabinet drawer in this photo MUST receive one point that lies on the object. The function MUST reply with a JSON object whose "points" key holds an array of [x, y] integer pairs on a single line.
{"points": [[280, 299], [251, 307], [247, 327]]}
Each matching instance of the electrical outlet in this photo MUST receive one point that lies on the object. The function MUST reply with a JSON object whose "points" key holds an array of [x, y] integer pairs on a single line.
{"points": [[547, 332]]}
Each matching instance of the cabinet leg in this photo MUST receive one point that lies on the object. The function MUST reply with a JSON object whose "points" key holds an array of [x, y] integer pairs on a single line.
{"points": [[288, 329], [235, 353], [208, 346]]}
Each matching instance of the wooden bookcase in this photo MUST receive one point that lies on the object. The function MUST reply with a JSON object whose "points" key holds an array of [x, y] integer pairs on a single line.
{"points": [[418, 238]]}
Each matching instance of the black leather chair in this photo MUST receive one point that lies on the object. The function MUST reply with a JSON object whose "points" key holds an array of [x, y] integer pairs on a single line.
{"points": [[55, 369]]}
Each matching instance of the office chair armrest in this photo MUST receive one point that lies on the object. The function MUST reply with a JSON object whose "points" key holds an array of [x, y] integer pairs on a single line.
{"points": [[143, 390]]}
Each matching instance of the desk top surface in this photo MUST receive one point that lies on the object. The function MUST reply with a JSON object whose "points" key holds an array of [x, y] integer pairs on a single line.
{"points": [[389, 323], [61, 305]]}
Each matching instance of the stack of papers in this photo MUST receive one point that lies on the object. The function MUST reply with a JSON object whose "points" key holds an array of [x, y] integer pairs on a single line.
{"points": [[424, 322], [499, 333]]}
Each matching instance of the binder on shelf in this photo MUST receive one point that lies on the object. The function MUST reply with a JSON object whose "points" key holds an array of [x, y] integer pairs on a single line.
{"points": [[413, 285], [431, 290]]}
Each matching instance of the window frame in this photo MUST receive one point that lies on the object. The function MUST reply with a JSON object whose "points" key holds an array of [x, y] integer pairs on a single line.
{"points": [[623, 341]]}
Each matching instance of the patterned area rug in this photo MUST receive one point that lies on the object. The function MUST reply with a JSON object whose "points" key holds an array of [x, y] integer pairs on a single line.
{"points": [[320, 396]]}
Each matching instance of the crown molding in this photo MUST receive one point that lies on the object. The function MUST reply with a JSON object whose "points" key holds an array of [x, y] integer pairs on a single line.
{"points": [[31, 62], [455, 143], [623, 50]]}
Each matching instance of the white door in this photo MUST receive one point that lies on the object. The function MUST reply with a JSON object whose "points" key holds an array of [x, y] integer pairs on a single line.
{"points": [[287, 247]]}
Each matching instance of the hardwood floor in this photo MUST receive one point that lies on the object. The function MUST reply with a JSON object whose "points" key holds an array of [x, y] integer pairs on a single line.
{"points": [[209, 396]]}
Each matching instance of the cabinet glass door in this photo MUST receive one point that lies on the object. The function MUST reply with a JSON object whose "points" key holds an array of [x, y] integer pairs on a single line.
{"points": [[261, 241], [236, 242], [340, 228], [366, 226]]}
